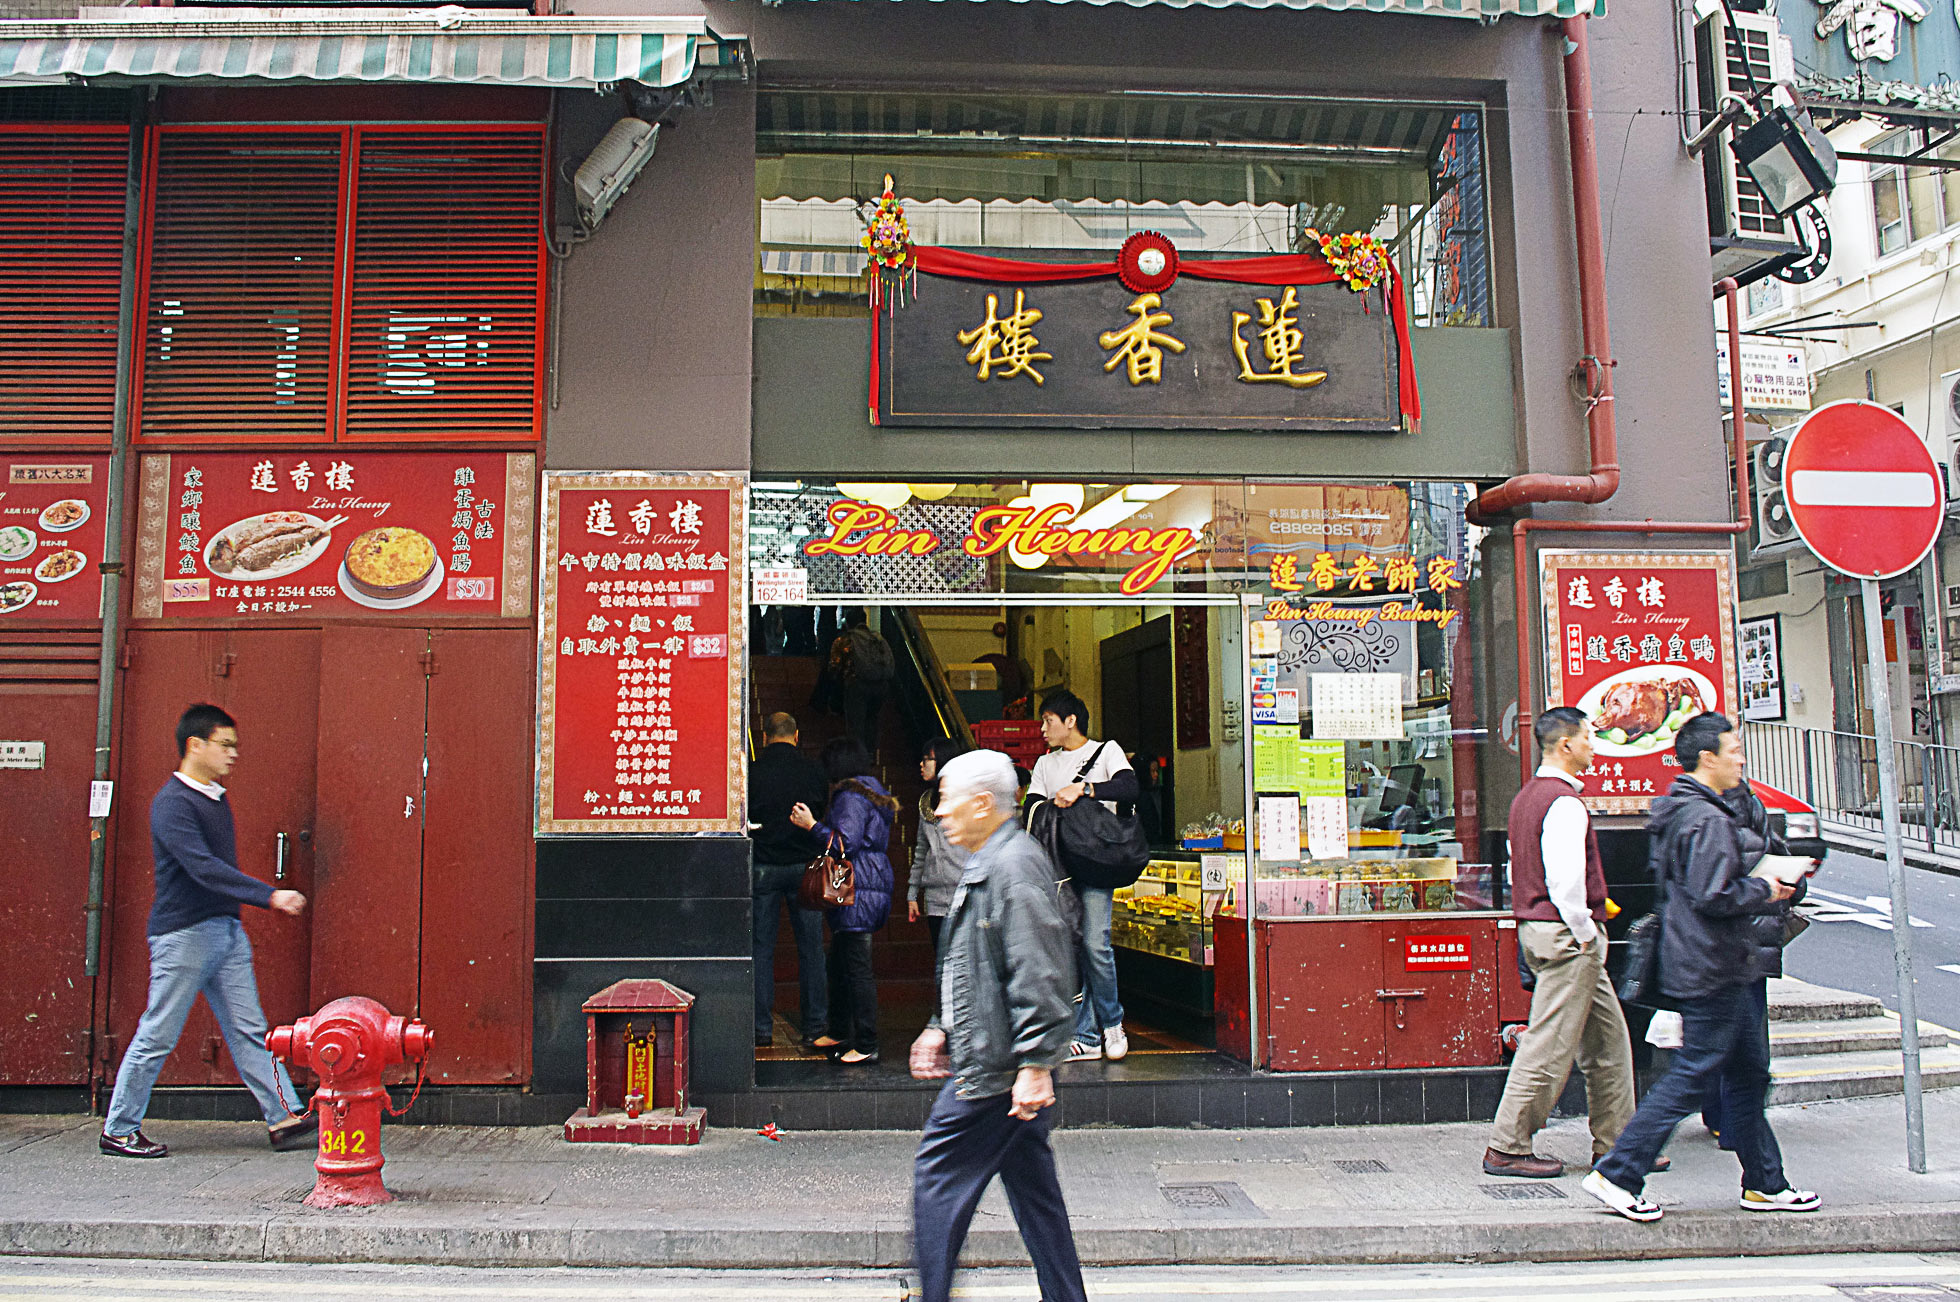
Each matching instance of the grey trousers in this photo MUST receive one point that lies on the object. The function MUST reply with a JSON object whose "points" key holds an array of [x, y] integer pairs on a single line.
{"points": [[1575, 1016]]}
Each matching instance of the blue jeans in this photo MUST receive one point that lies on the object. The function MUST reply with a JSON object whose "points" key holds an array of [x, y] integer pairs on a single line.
{"points": [[1725, 1042], [774, 889], [1099, 1007], [212, 958], [967, 1142]]}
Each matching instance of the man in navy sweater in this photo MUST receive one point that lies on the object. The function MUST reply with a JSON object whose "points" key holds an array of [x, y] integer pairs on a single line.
{"points": [[197, 944]]}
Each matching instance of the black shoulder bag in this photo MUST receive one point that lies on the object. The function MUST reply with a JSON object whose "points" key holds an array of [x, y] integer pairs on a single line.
{"points": [[1640, 979], [1096, 847]]}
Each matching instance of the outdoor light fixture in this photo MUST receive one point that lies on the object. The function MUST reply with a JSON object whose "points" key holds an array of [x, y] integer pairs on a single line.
{"points": [[604, 175], [1788, 158]]}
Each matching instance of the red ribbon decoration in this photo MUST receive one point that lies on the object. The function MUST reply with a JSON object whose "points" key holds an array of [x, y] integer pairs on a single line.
{"points": [[1279, 269]]}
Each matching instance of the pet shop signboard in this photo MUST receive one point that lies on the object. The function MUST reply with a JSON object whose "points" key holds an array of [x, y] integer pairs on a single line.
{"points": [[1641, 642]]}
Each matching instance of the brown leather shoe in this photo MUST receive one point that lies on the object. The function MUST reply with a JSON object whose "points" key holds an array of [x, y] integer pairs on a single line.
{"points": [[1531, 1166], [134, 1144]]}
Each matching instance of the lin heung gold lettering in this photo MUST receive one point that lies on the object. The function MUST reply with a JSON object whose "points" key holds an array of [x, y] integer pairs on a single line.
{"points": [[1038, 531], [864, 529]]}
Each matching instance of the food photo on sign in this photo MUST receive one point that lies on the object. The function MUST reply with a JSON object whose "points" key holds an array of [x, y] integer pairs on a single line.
{"points": [[52, 524], [247, 533], [1639, 642]]}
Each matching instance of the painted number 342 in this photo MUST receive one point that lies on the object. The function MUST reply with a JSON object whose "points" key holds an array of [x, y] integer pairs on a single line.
{"points": [[343, 1142]]}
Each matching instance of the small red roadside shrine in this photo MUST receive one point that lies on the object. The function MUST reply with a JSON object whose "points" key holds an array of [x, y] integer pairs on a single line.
{"points": [[636, 1068]]}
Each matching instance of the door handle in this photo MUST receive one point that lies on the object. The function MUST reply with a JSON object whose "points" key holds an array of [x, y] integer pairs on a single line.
{"points": [[1400, 997], [279, 859]]}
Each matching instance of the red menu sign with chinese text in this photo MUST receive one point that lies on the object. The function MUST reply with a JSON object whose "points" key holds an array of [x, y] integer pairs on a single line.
{"points": [[54, 509], [640, 624], [1641, 642], [310, 534]]}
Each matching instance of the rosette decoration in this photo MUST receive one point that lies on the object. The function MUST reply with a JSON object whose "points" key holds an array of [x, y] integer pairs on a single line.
{"points": [[888, 246], [1360, 260]]}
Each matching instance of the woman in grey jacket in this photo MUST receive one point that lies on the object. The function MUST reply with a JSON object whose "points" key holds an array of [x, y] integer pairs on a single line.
{"points": [[936, 862]]}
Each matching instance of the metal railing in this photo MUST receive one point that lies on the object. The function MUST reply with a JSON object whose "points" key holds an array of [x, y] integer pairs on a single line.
{"points": [[1836, 773]]}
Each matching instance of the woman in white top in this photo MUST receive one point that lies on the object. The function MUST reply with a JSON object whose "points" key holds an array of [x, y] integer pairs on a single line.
{"points": [[1110, 779]]}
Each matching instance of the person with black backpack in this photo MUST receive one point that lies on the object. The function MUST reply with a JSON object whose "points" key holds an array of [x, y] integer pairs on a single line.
{"points": [[859, 670], [1075, 769]]}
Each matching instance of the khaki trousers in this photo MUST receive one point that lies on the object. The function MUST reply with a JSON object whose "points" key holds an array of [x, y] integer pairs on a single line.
{"points": [[1574, 1016]]}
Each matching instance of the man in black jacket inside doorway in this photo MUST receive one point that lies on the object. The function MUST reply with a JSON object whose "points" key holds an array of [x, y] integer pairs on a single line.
{"points": [[780, 778]]}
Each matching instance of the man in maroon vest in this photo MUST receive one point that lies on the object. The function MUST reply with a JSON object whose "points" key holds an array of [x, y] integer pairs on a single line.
{"points": [[1558, 894]]}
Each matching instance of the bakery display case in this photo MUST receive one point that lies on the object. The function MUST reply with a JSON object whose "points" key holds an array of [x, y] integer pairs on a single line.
{"points": [[1168, 911], [1162, 931]]}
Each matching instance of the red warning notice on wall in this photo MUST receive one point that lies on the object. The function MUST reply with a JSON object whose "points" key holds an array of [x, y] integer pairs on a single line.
{"points": [[1436, 954]]}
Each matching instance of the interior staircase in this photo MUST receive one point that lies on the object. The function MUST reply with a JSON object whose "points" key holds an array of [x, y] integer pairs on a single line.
{"points": [[1833, 1044], [902, 952]]}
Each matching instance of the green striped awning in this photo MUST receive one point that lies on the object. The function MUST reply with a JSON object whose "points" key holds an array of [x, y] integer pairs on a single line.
{"points": [[449, 46], [1486, 9]]}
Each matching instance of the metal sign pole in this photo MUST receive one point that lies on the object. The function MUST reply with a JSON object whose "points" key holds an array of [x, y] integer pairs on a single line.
{"points": [[1878, 677]]}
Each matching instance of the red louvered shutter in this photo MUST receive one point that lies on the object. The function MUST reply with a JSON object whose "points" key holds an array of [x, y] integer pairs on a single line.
{"points": [[447, 286], [61, 222], [237, 338]]}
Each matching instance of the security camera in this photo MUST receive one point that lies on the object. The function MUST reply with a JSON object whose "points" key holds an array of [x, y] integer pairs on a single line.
{"points": [[603, 177]]}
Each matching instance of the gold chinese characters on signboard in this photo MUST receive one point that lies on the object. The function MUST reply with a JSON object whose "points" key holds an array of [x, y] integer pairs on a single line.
{"points": [[1003, 347]]}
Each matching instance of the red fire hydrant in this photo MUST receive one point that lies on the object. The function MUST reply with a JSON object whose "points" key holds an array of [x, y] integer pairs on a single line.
{"points": [[350, 1043]]}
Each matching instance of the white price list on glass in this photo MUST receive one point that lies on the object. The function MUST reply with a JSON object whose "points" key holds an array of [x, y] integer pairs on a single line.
{"points": [[1357, 707]]}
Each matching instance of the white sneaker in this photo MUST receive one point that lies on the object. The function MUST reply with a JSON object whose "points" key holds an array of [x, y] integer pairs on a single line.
{"points": [[1115, 1044], [1790, 1200], [1632, 1206], [1080, 1052]]}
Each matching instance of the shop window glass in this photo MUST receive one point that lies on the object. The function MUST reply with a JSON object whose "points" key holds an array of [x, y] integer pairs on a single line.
{"points": [[1217, 176], [1300, 585]]}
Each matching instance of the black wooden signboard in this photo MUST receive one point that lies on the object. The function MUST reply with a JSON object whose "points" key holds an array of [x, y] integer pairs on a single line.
{"points": [[1091, 354]]}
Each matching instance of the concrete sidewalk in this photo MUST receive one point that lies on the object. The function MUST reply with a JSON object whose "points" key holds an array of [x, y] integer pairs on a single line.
{"points": [[1342, 1195]]}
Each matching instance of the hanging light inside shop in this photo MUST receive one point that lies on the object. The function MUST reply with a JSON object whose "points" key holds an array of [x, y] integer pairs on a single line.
{"points": [[1041, 496], [932, 492], [889, 496]]}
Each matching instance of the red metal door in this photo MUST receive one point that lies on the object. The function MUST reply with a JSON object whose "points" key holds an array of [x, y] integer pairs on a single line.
{"points": [[478, 866], [1452, 1020], [44, 841], [268, 680], [367, 849], [1321, 996]]}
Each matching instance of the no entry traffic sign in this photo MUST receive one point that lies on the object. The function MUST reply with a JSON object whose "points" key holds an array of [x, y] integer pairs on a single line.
{"points": [[1866, 496], [1863, 490]]}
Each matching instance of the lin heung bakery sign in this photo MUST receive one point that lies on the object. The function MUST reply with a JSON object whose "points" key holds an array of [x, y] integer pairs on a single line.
{"points": [[299, 535], [1640, 642]]}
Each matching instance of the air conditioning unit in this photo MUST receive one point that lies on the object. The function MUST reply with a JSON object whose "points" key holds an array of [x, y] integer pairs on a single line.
{"points": [[1946, 415], [1743, 230], [1775, 532]]}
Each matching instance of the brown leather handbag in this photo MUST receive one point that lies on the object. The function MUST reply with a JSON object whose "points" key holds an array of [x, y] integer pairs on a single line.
{"points": [[830, 882]]}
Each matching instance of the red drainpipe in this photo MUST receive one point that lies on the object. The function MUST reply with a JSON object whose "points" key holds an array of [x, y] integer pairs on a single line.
{"points": [[1603, 480], [1521, 530], [1597, 364]]}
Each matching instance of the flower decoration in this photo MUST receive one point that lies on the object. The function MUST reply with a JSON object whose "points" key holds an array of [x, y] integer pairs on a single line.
{"points": [[888, 243], [1147, 263], [1360, 260]]}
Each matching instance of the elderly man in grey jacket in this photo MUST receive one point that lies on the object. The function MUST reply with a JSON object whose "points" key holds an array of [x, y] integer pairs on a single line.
{"points": [[1006, 977]]}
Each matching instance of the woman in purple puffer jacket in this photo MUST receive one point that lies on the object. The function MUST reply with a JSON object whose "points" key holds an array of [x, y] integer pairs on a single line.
{"points": [[859, 822]]}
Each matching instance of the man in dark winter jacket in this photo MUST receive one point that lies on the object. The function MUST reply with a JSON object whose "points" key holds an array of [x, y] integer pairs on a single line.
{"points": [[1769, 931], [1708, 967]]}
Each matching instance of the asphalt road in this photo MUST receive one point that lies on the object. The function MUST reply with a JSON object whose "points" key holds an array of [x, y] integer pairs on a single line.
{"points": [[1864, 1278], [1849, 945]]}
